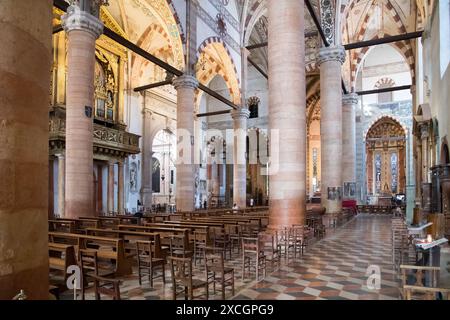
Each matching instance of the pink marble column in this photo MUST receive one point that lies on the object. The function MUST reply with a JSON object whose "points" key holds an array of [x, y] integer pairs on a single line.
{"points": [[25, 64], [111, 187], [330, 61], [349, 104], [186, 168], [82, 30], [240, 117], [287, 114]]}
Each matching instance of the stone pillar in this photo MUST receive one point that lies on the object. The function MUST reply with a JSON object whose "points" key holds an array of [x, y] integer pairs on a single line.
{"points": [[61, 182], [120, 193], [240, 117], [330, 61], [110, 187], [147, 154], [287, 102], [25, 64], [349, 104], [82, 30], [186, 168]]}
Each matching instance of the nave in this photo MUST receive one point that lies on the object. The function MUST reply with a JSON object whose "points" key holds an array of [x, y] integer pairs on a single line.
{"points": [[335, 267]]}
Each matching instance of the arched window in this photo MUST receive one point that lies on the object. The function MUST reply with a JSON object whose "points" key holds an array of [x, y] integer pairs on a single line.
{"points": [[156, 175], [384, 83], [253, 104]]}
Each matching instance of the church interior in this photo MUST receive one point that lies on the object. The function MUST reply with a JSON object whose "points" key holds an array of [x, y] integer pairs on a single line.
{"points": [[224, 149]]}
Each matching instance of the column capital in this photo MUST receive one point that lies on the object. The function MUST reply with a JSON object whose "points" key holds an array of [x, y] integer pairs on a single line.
{"points": [[336, 53], [350, 99], [240, 114], [185, 81], [76, 19]]}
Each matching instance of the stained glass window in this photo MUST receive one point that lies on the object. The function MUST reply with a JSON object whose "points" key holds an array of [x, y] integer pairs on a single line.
{"points": [[394, 172], [377, 173]]}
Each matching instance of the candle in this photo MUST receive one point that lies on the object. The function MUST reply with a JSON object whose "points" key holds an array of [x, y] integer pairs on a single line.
{"points": [[429, 238]]}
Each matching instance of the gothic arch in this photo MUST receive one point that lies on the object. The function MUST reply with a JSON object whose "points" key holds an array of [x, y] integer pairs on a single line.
{"points": [[358, 57], [214, 58]]}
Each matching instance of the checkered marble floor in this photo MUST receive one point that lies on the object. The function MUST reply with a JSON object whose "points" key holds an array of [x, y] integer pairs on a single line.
{"points": [[332, 268], [335, 267]]}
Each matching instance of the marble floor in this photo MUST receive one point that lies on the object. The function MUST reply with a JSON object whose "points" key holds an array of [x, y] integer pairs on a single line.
{"points": [[336, 267]]}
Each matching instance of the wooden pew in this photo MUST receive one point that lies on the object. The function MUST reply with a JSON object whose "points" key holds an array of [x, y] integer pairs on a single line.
{"points": [[130, 238], [104, 222], [62, 226], [165, 232], [61, 256], [80, 225], [107, 248]]}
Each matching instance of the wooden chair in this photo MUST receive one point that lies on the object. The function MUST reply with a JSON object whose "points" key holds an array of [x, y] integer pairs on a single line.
{"points": [[147, 262], [269, 241], [235, 232], [216, 272], [106, 286], [179, 246], [252, 253], [222, 240], [284, 242], [90, 268], [181, 271], [414, 285], [200, 239]]}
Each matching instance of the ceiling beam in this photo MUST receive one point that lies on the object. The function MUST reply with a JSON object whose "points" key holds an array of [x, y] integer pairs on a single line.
{"points": [[57, 29], [219, 97], [257, 46], [214, 113], [399, 88], [384, 40], [253, 63], [153, 85]]}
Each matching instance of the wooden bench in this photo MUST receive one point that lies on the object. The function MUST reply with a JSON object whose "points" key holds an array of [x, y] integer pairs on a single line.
{"points": [[130, 238], [61, 256], [110, 249], [80, 225], [103, 222], [165, 232], [62, 226]]}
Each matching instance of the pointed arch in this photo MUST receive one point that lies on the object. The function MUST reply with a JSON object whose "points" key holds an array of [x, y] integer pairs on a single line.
{"points": [[214, 58]]}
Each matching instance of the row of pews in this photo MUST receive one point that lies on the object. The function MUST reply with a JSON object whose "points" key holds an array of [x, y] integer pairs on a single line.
{"points": [[378, 209], [114, 238]]}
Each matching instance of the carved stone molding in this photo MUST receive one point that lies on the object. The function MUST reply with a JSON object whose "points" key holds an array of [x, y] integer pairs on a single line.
{"points": [[76, 19], [326, 54], [350, 99], [185, 81], [424, 130]]}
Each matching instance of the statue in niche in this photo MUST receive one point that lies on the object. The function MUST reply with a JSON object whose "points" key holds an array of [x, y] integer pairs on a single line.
{"points": [[133, 177]]}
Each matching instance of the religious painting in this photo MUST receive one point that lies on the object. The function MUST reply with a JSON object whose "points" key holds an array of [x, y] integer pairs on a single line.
{"points": [[349, 189], [334, 193]]}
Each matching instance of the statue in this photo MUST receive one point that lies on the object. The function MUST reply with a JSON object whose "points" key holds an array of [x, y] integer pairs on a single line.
{"points": [[133, 177]]}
